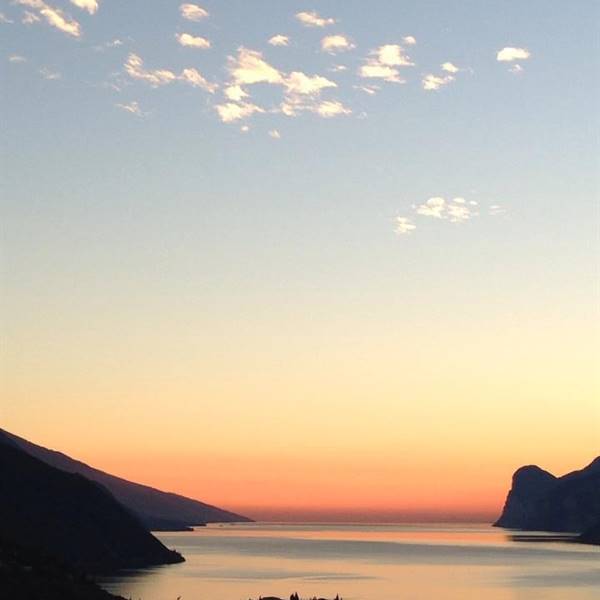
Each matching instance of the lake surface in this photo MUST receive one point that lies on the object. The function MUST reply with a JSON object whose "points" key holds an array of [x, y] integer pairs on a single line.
{"points": [[366, 562]]}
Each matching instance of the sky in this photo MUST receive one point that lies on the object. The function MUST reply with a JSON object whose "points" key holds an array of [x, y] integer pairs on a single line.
{"points": [[303, 260]]}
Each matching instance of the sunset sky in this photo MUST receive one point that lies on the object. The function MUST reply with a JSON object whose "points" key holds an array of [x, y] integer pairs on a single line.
{"points": [[303, 260]]}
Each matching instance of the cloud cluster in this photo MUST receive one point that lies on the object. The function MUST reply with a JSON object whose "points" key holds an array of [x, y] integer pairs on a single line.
{"points": [[455, 210], [53, 16], [312, 19], [384, 62], [435, 82]]}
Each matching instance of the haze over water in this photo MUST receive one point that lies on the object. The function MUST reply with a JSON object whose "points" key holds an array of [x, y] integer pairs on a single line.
{"points": [[366, 562]]}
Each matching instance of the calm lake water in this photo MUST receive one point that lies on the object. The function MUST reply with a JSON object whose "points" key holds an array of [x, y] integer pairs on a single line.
{"points": [[366, 562]]}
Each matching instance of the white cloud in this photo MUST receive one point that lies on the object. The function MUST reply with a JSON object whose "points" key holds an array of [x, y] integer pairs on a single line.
{"points": [[133, 108], [90, 5], [192, 12], [456, 210], [312, 19], [299, 83], [434, 207], [49, 74], [409, 40], [274, 133], [509, 54], [249, 67], [516, 68], [157, 77], [384, 62], [16, 58], [450, 67], [336, 43], [435, 82], [279, 40], [195, 79], [185, 39], [338, 68], [4, 19], [367, 89], [404, 225], [244, 129], [230, 111], [53, 16], [235, 93], [331, 108]]}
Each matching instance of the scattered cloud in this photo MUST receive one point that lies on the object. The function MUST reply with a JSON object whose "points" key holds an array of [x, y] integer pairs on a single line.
{"points": [[496, 209], [435, 82], [509, 54], [274, 133], [4, 19], [53, 16], [185, 39], [279, 40], [193, 12], [312, 19], [134, 66], [404, 225], [244, 129], [516, 68], [16, 58], [230, 111], [249, 67], [196, 79], [368, 89], [409, 40], [336, 43], [331, 108], [133, 108], [49, 74], [29, 18], [383, 63], [338, 68], [90, 5], [300, 83], [450, 67]]}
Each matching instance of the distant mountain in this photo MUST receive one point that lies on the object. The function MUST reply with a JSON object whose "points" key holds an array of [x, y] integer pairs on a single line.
{"points": [[540, 501], [71, 518], [159, 511]]}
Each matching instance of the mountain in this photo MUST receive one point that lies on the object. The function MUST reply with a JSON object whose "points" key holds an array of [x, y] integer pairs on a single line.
{"points": [[158, 510], [538, 500], [27, 574], [71, 518]]}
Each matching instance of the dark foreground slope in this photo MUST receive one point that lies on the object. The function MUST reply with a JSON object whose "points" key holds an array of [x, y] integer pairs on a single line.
{"points": [[157, 510], [540, 501], [71, 518], [27, 574]]}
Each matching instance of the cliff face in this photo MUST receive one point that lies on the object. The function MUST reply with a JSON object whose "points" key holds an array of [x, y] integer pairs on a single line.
{"points": [[157, 510], [540, 501], [64, 515]]}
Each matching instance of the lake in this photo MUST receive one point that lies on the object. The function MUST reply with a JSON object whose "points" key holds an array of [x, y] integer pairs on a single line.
{"points": [[366, 562]]}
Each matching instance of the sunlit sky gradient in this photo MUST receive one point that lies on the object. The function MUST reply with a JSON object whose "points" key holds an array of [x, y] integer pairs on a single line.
{"points": [[367, 287]]}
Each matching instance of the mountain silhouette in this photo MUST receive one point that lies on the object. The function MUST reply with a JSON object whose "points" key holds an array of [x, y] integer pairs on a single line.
{"points": [[540, 501], [158, 510], [67, 516]]}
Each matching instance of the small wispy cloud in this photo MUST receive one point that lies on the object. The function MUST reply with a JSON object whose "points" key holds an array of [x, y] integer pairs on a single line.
{"points": [[331, 108], [5, 20], [336, 43], [16, 58], [192, 12], [274, 133], [450, 67], [196, 79], [90, 5], [404, 225], [29, 18], [49, 74], [313, 19], [510, 54], [384, 62], [409, 40], [132, 108], [279, 40], [53, 16], [186, 39]]}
